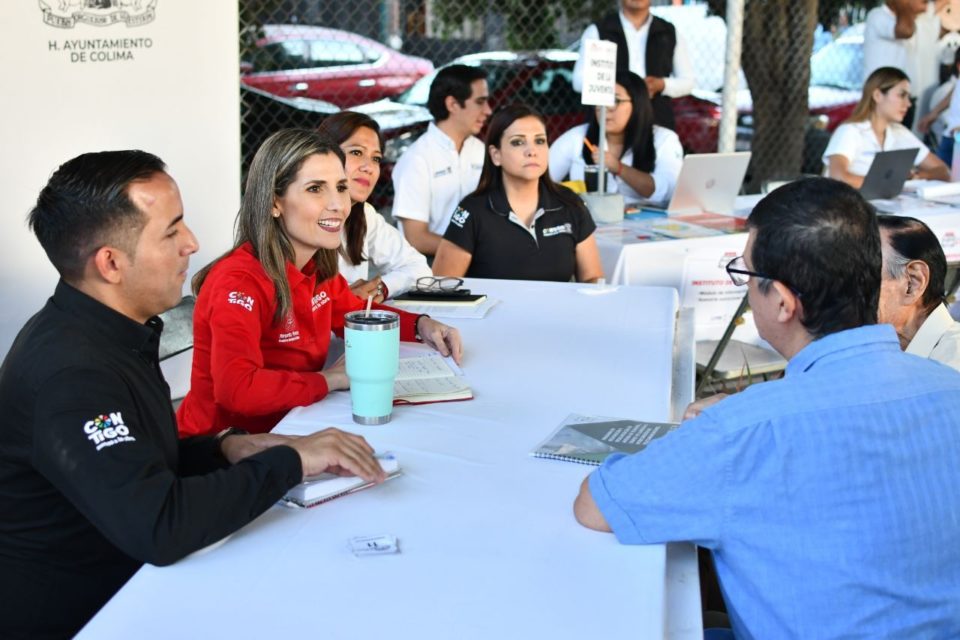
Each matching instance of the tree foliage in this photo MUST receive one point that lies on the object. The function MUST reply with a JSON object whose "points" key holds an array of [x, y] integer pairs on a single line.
{"points": [[777, 45], [527, 24]]}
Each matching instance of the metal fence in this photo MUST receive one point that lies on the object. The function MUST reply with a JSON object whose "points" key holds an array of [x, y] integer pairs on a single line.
{"points": [[301, 60]]}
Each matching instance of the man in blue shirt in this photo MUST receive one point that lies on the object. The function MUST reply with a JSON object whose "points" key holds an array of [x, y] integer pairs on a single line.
{"points": [[830, 499]]}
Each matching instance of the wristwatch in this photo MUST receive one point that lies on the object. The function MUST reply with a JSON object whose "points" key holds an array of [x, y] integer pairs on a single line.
{"points": [[229, 431]]}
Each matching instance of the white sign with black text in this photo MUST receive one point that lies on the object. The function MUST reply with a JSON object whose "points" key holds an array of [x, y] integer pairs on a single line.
{"points": [[599, 73]]}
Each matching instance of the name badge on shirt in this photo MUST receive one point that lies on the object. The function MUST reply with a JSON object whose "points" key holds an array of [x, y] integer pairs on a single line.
{"points": [[443, 172], [560, 229]]}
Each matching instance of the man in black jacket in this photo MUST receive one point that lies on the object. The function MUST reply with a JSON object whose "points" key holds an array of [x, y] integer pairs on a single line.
{"points": [[93, 480], [649, 47]]}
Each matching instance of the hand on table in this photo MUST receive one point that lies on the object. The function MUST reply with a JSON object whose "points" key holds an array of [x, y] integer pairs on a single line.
{"points": [[441, 337], [338, 452], [236, 447], [694, 409], [363, 288]]}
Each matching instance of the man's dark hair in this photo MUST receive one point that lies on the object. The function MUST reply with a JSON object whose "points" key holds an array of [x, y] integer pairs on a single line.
{"points": [[820, 238], [85, 205], [911, 239], [455, 81]]}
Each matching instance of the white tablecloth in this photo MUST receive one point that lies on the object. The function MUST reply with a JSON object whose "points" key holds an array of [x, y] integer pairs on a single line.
{"points": [[627, 259], [490, 548]]}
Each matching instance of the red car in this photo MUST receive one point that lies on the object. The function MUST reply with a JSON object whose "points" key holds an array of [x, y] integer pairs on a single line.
{"points": [[338, 67]]}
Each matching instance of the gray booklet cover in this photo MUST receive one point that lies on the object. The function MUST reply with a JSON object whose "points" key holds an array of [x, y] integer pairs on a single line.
{"points": [[590, 439]]}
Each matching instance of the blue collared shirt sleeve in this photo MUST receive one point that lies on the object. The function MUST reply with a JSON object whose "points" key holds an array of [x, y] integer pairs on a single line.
{"points": [[674, 490]]}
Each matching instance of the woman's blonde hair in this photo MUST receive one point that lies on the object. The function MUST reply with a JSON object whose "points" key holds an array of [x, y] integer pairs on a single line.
{"points": [[273, 169], [884, 79]]}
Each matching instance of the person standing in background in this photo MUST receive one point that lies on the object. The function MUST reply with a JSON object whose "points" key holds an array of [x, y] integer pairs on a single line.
{"points": [[896, 35], [648, 46]]}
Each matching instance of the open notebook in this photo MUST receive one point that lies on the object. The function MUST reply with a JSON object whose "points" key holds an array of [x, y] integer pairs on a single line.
{"points": [[426, 377]]}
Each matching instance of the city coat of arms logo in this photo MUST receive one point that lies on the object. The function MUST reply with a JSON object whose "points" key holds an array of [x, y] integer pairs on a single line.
{"points": [[65, 14]]}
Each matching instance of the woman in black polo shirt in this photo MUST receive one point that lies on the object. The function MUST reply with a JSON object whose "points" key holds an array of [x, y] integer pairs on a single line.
{"points": [[519, 224]]}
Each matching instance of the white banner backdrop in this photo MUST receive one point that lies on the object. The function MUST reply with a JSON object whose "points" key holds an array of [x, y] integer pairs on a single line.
{"points": [[93, 75]]}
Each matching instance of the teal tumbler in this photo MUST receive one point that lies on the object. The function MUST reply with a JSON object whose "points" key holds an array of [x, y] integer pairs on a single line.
{"points": [[372, 348]]}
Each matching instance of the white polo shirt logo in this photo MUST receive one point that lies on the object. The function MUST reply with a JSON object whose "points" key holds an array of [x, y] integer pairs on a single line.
{"points": [[107, 430]]}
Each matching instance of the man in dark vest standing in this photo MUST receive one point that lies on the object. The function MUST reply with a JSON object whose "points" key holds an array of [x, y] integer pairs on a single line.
{"points": [[648, 46]]}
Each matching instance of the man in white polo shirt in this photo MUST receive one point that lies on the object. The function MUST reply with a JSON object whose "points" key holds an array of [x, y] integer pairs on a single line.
{"points": [[443, 166]]}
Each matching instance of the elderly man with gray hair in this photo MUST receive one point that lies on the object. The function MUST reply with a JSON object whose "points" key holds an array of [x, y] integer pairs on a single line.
{"points": [[912, 290]]}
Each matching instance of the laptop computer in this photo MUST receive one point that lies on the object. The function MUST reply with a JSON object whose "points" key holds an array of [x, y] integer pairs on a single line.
{"points": [[708, 182], [887, 173]]}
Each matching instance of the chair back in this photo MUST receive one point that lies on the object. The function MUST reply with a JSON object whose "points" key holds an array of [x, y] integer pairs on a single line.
{"points": [[177, 335]]}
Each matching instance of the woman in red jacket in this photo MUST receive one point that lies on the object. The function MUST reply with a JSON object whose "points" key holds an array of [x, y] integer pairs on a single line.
{"points": [[266, 308]]}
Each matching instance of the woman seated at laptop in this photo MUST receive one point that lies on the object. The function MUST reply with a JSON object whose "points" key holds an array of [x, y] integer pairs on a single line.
{"points": [[519, 224], [266, 308], [875, 126], [368, 241], [643, 160]]}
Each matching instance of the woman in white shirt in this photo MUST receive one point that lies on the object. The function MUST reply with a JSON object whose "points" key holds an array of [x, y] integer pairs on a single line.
{"points": [[874, 126], [368, 241], [643, 159]]}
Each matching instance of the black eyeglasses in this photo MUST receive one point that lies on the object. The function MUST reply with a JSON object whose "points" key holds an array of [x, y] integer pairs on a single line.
{"points": [[432, 283], [738, 272]]}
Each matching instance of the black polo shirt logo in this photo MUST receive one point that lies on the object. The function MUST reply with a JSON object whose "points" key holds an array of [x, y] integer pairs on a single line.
{"points": [[107, 430], [560, 229], [459, 217]]}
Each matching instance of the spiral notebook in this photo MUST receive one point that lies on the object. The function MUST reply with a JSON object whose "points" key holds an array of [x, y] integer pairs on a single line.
{"points": [[590, 439]]}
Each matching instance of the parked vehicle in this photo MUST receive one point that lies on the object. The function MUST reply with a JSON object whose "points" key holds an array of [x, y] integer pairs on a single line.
{"points": [[263, 114], [542, 79], [836, 79], [335, 66]]}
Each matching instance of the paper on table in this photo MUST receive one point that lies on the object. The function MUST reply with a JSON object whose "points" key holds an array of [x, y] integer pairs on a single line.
{"points": [[940, 190], [416, 387], [906, 204], [429, 377], [673, 228], [452, 311], [707, 288], [427, 365]]}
